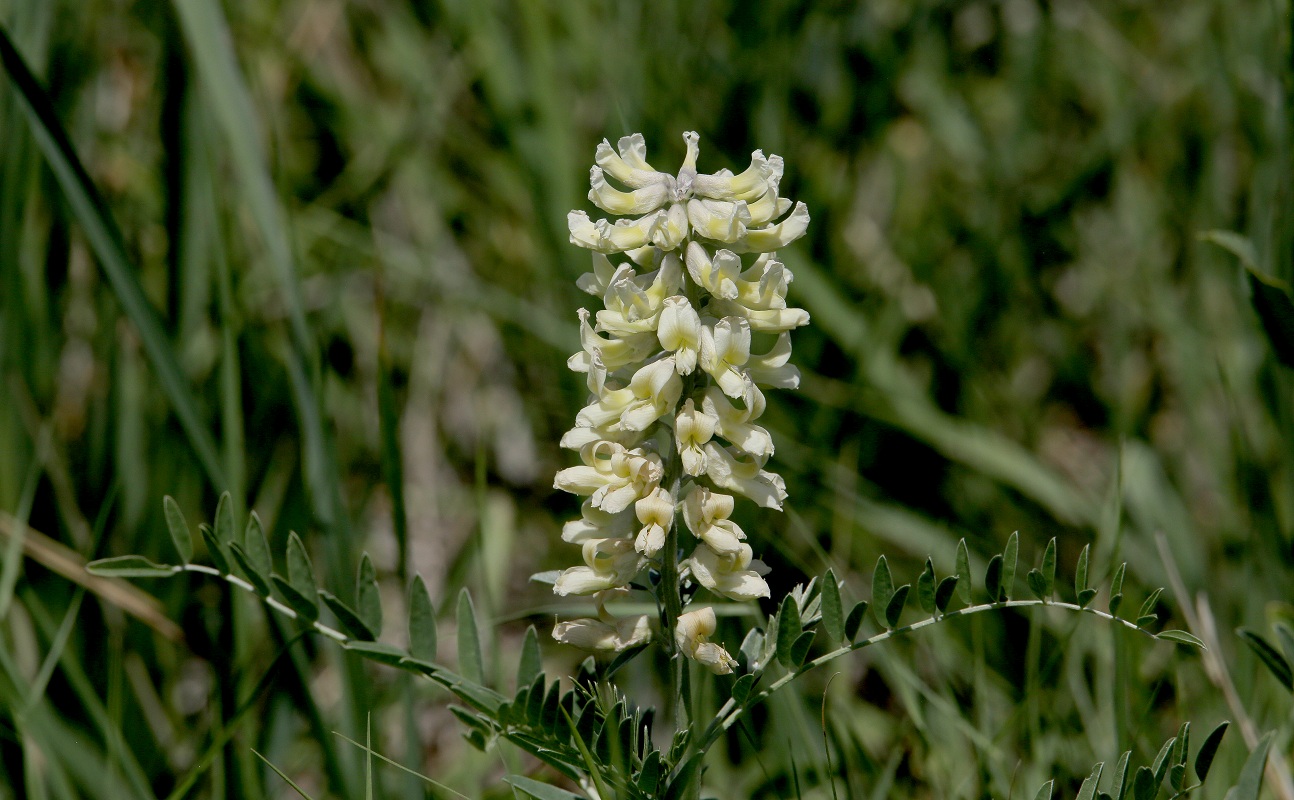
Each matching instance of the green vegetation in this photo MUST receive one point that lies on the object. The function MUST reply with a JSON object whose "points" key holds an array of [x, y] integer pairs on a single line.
{"points": [[314, 255]]}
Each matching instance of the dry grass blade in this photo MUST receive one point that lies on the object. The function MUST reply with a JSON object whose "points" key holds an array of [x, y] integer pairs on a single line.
{"points": [[65, 561]]}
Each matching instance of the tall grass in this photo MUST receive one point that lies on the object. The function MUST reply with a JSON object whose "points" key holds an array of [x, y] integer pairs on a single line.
{"points": [[314, 254]]}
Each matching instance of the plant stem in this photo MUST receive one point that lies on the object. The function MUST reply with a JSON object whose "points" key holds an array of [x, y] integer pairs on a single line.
{"points": [[732, 711]]}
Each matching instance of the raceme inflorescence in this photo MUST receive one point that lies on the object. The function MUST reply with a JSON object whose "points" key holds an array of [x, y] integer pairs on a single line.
{"points": [[690, 286]]}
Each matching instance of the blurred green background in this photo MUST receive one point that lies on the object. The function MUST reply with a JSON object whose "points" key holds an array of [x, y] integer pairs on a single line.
{"points": [[347, 220]]}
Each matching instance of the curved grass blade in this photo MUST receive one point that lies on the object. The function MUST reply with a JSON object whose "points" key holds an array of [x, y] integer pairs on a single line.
{"points": [[104, 239]]}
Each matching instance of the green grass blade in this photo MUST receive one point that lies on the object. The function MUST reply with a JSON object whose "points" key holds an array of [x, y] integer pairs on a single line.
{"points": [[91, 213]]}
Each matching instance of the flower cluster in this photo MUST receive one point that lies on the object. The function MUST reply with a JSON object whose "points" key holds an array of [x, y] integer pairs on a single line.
{"points": [[674, 386]]}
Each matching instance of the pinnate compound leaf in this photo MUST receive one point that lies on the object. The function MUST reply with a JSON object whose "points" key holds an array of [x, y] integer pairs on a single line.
{"points": [[944, 594], [300, 573], [1116, 589], [225, 519], [1049, 567], [1144, 786], [305, 606], [470, 661], [895, 608], [422, 621], [1183, 746], [1163, 760], [926, 587], [1147, 611], [1204, 758], [1085, 597], [531, 665], [1119, 787], [788, 630], [752, 647], [537, 790], [256, 547], [833, 613], [1009, 558], [800, 648], [345, 615], [855, 620], [181, 537], [215, 549], [130, 567], [963, 573], [1080, 572], [649, 775], [1251, 774], [368, 599], [258, 579], [1088, 790], [742, 686], [1181, 637], [882, 589], [1037, 584], [683, 777], [993, 579], [1269, 655]]}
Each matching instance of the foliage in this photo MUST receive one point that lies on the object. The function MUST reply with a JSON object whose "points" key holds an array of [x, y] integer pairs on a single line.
{"points": [[314, 255]]}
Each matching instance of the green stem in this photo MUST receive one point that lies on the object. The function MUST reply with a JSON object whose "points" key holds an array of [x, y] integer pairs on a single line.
{"points": [[732, 711], [670, 589]]}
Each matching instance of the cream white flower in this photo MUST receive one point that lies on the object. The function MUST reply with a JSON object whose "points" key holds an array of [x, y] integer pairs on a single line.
{"points": [[634, 302], [774, 237], [735, 424], [762, 286], [681, 298], [613, 353], [744, 473], [772, 369], [656, 513], [609, 564], [692, 429], [737, 576], [630, 165], [612, 476], [651, 394], [772, 320], [610, 637], [594, 523], [725, 348], [706, 515], [679, 332], [692, 635]]}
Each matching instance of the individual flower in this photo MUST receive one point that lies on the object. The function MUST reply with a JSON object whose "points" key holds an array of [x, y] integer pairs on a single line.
{"points": [[735, 423], [656, 513], [733, 469], [611, 637], [692, 429], [594, 523], [612, 476], [679, 332], [692, 637], [706, 515], [736, 575], [651, 394], [609, 564], [605, 633]]}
